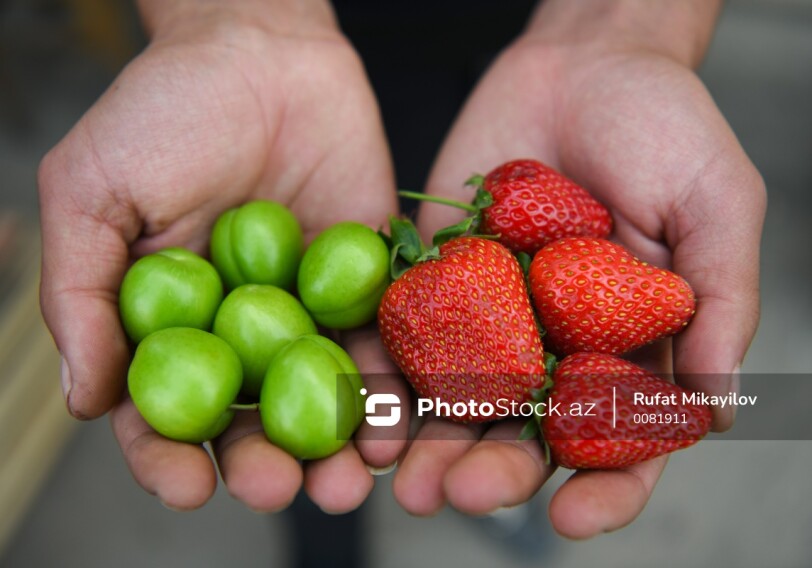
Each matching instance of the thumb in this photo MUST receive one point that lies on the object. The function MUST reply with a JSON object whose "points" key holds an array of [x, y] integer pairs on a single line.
{"points": [[85, 230], [719, 255]]}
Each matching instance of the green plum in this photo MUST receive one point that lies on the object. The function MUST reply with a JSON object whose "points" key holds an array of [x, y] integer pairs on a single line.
{"points": [[183, 381], [343, 275], [260, 242], [173, 287], [312, 399], [257, 320]]}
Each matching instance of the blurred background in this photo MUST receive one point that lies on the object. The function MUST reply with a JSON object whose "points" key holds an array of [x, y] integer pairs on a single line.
{"points": [[66, 497]]}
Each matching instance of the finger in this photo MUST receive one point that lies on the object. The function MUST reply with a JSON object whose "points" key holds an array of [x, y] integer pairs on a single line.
{"points": [[84, 256], [499, 471], [262, 476], [593, 502], [656, 357], [379, 446], [489, 132], [418, 482], [339, 483], [721, 261], [181, 475]]}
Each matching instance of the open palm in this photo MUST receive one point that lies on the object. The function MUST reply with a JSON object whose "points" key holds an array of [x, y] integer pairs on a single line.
{"points": [[641, 133], [189, 129]]}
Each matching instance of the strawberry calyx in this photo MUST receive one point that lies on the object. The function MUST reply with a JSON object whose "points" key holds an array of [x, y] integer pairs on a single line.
{"points": [[532, 428], [524, 261], [407, 249], [405, 246], [542, 395], [482, 197]]}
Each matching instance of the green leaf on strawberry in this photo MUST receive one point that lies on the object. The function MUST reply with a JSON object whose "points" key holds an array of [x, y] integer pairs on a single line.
{"points": [[405, 246]]}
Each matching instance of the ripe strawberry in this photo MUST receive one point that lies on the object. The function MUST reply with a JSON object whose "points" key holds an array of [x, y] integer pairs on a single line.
{"points": [[461, 328], [618, 431], [594, 295], [527, 205], [534, 205]]}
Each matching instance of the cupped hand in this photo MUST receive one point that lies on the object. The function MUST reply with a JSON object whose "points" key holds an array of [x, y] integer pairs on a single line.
{"points": [[638, 129], [215, 112]]}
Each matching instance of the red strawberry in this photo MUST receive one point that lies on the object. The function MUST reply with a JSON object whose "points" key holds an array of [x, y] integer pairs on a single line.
{"points": [[594, 295], [534, 205], [461, 328], [527, 205], [618, 431]]}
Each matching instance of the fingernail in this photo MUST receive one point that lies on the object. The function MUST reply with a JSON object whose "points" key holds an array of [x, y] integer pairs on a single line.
{"points": [[170, 507], [734, 386], [377, 471], [65, 378]]}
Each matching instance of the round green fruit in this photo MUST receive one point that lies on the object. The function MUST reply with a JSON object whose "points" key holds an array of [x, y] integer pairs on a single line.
{"points": [[311, 401], [170, 288], [257, 321], [258, 243], [183, 380], [343, 275]]}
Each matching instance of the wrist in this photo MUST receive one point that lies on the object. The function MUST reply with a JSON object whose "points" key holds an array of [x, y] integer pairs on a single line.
{"points": [[189, 18], [678, 29]]}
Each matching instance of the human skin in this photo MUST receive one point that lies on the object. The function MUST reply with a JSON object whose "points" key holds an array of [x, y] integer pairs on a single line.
{"points": [[598, 88], [607, 93], [231, 101]]}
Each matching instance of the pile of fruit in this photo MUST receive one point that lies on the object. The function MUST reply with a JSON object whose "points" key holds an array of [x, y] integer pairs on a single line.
{"points": [[469, 326], [474, 319], [202, 354]]}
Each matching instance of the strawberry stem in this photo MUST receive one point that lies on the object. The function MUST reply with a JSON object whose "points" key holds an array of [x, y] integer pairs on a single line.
{"points": [[437, 199], [468, 226]]}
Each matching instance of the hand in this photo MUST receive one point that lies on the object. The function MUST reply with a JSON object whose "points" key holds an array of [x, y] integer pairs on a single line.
{"points": [[225, 105], [628, 119]]}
